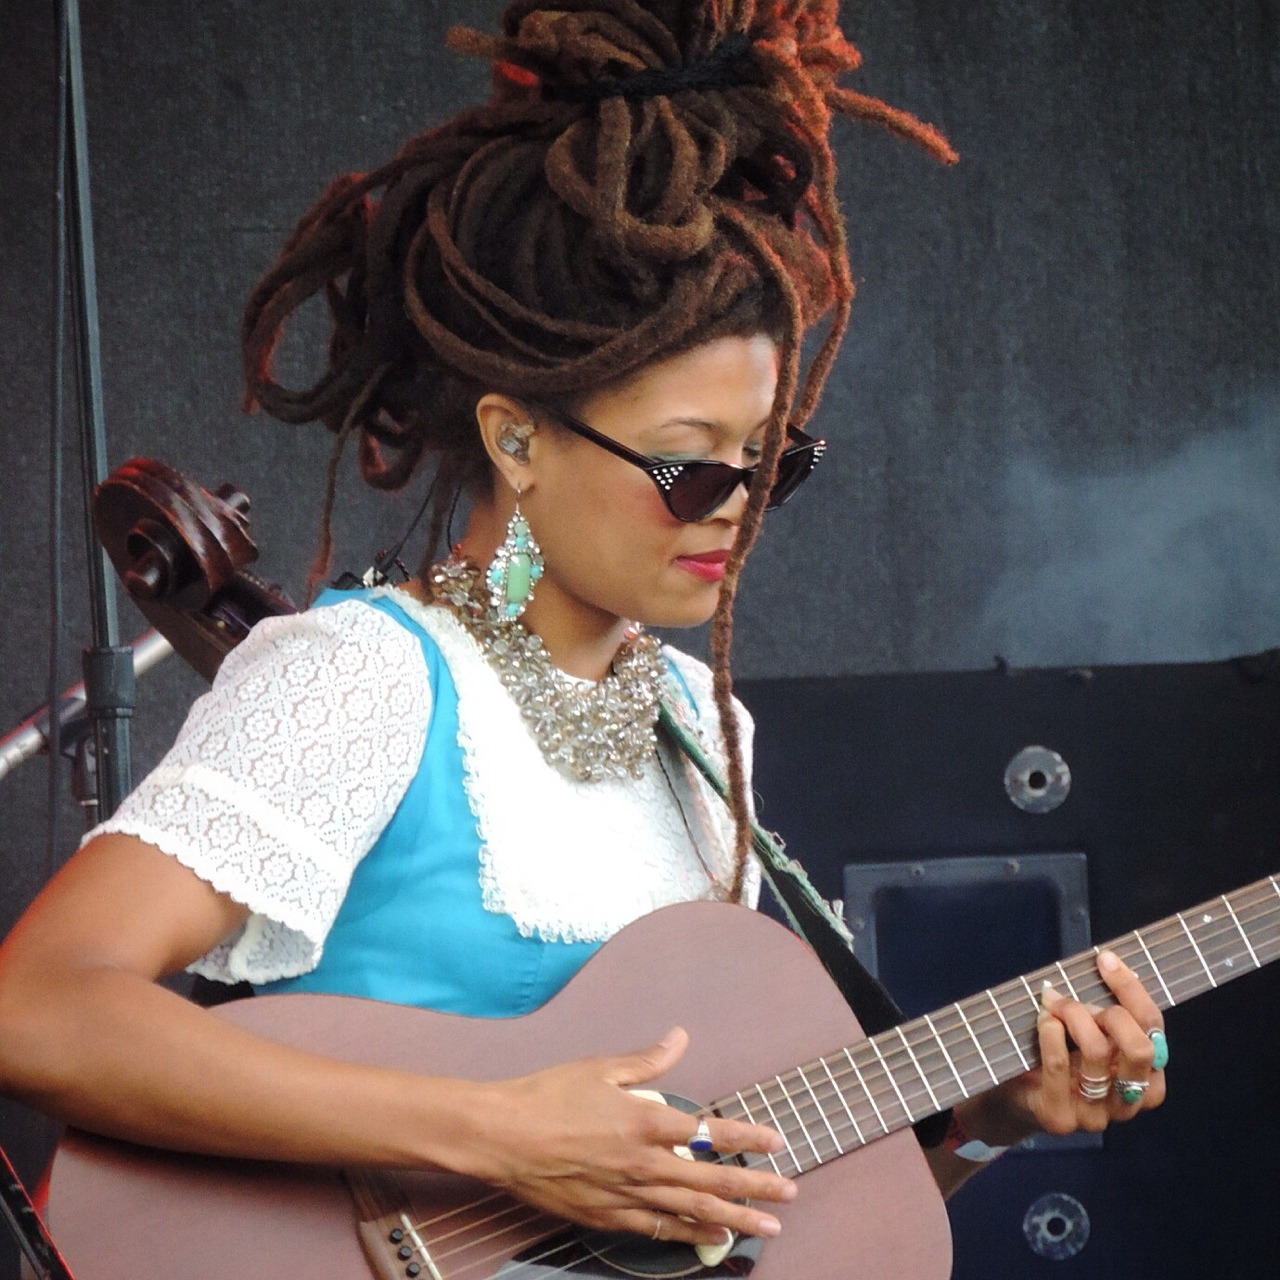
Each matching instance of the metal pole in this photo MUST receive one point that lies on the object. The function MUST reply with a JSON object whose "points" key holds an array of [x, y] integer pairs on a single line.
{"points": [[107, 665]]}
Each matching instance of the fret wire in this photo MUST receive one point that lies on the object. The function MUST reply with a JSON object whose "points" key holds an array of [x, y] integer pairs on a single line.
{"points": [[767, 1154], [871, 1097], [867, 1091], [892, 1081], [1146, 951], [804, 1129], [1036, 1004], [821, 1110], [1179, 940], [937, 1106], [929, 1055], [884, 1060], [1208, 973], [942, 1044], [1244, 937], [982, 1053], [857, 1129], [1061, 970], [1026, 1066], [786, 1141], [1215, 937]]}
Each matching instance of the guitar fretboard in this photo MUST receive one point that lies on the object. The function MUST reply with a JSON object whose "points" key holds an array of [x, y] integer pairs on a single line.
{"points": [[844, 1100]]}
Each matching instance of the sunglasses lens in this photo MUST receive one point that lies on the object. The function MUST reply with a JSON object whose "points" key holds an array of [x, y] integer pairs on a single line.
{"points": [[704, 487], [794, 468], [700, 488]]}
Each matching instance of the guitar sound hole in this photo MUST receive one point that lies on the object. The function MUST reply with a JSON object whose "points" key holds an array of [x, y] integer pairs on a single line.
{"points": [[603, 1255]]}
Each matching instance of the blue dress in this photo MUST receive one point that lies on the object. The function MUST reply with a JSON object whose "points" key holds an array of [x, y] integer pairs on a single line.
{"points": [[413, 928]]}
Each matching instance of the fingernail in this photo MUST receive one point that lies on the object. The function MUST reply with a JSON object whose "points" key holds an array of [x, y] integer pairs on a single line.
{"points": [[789, 1190], [770, 1227], [1108, 961], [670, 1038], [1050, 996]]}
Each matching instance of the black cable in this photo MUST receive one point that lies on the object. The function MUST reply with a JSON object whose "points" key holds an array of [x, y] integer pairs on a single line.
{"points": [[448, 524], [58, 321], [386, 559]]}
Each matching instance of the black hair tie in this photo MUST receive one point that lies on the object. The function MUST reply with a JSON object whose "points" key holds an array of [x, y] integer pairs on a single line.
{"points": [[726, 66]]}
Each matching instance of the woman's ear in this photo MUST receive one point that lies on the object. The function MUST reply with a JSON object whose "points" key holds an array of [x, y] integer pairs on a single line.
{"points": [[509, 437]]}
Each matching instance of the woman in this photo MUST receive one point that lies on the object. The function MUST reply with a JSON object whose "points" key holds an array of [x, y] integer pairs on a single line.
{"points": [[573, 300]]}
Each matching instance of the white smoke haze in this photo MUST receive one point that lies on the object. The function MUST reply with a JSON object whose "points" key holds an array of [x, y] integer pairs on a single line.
{"points": [[1173, 562]]}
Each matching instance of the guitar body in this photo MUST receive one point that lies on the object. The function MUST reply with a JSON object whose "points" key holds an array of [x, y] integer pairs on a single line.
{"points": [[755, 1001]]}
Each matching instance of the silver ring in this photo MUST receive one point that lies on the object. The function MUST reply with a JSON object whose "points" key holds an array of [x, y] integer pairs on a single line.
{"points": [[701, 1140], [1094, 1088], [1131, 1091], [657, 1227]]}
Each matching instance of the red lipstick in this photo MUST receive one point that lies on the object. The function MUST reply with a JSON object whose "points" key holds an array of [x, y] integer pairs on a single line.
{"points": [[707, 565]]}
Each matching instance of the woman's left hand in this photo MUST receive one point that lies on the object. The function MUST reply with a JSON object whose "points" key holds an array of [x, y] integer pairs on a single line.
{"points": [[1108, 1075]]}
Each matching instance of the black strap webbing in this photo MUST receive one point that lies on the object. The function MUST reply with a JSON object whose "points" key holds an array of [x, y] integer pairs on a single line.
{"points": [[811, 918]]}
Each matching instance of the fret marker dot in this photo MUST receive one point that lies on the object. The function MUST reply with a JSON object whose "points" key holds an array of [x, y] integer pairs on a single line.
{"points": [[1229, 962], [1208, 919]]}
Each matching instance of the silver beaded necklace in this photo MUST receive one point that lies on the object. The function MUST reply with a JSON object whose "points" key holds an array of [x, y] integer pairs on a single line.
{"points": [[590, 730]]}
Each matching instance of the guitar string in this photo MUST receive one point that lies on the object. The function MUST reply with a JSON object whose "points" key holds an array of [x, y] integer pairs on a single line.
{"points": [[965, 1061], [1204, 939], [540, 1261], [876, 1126], [488, 1221], [965, 1064], [504, 1252], [1086, 976], [985, 1019]]}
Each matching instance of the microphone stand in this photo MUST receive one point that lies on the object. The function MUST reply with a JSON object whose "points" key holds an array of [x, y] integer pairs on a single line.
{"points": [[107, 665], [36, 732]]}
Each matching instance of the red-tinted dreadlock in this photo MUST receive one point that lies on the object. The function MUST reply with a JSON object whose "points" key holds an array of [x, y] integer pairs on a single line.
{"points": [[645, 177]]}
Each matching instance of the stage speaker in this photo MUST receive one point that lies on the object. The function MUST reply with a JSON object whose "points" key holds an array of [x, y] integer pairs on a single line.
{"points": [[946, 812]]}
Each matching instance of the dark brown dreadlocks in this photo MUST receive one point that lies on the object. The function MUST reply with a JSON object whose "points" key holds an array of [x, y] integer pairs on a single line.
{"points": [[645, 177]]}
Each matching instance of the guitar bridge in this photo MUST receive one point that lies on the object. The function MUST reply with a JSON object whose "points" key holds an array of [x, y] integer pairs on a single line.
{"points": [[392, 1243]]}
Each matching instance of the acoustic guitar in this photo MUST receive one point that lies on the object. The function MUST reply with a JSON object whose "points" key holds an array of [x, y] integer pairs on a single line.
{"points": [[772, 1041]]}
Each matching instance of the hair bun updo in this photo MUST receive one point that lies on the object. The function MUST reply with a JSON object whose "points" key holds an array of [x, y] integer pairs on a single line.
{"points": [[644, 178]]}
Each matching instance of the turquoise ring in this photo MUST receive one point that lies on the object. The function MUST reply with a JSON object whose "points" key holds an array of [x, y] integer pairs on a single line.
{"points": [[1160, 1044], [1131, 1091]]}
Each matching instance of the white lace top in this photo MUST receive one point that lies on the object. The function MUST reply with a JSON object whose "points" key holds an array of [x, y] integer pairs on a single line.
{"points": [[287, 771]]}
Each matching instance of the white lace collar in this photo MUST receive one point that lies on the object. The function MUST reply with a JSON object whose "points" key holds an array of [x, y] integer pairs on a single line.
{"points": [[570, 860]]}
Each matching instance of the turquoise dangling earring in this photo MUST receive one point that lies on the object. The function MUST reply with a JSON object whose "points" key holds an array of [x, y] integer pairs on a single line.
{"points": [[515, 569]]}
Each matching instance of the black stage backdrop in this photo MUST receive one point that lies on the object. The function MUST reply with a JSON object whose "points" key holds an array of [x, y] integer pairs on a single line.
{"points": [[1054, 423]]}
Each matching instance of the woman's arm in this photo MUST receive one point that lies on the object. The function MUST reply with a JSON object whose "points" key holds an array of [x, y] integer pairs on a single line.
{"points": [[87, 1034]]}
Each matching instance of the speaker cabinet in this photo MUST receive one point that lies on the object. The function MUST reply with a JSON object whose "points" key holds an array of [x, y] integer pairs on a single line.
{"points": [[945, 809]]}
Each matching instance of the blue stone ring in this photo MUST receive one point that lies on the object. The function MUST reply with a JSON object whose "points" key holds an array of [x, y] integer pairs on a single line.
{"points": [[1161, 1046], [701, 1140]]}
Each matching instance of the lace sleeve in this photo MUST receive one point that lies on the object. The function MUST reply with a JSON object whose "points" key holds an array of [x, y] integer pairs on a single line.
{"points": [[283, 776]]}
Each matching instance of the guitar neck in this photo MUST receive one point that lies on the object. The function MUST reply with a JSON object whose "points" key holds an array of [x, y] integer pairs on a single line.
{"points": [[842, 1101]]}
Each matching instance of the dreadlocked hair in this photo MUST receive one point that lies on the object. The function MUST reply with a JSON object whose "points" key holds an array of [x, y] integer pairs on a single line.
{"points": [[644, 178]]}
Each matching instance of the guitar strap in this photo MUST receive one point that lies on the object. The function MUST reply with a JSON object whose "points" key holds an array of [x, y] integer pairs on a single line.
{"points": [[809, 916]]}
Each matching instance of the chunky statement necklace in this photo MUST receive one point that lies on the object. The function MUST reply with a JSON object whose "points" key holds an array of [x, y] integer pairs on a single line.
{"points": [[590, 730]]}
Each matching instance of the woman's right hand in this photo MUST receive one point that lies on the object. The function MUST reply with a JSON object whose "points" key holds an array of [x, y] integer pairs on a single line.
{"points": [[573, 1140]]}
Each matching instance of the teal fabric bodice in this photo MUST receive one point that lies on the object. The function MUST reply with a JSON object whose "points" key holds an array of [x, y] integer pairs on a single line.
{"points": [[413, 928]]}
